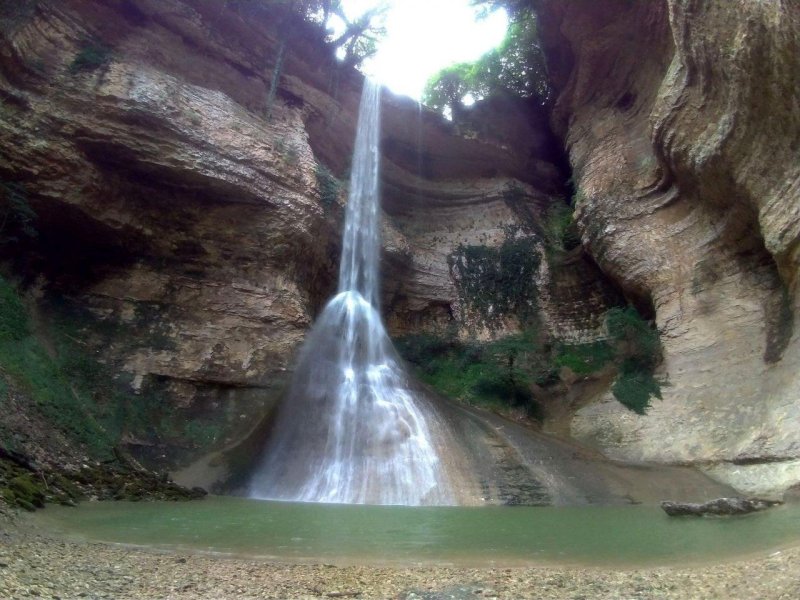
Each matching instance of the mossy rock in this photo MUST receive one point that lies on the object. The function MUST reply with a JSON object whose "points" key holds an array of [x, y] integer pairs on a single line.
{"points": [[67, 487], [25, 488], [24, 492], [24, 504]]}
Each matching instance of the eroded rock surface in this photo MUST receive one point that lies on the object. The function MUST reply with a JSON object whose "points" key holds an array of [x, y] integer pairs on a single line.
{"points": [[187, 227], [682, 123], [191, 234]]}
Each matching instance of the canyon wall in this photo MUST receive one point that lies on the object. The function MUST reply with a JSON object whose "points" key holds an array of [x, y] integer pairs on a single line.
{"points": [[682, 123], [190, 240], [188, 226]]}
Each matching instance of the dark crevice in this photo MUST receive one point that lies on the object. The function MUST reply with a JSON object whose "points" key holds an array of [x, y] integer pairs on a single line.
{"points": [[779, 318], [72, 250], [626, 102], [132, 13]]}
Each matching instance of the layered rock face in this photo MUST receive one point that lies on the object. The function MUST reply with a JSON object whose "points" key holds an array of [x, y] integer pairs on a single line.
{"points": [[193, 234], [682, 122], [196, 241], [188, 226], [500, 171]]}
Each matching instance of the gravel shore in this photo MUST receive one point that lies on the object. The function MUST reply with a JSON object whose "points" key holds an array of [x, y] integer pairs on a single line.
{"points": [[35, 564]]}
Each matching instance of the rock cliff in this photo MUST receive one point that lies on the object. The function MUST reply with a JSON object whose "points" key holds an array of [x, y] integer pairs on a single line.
{"points": [[190, 239], [188, 225], [682, 123]]}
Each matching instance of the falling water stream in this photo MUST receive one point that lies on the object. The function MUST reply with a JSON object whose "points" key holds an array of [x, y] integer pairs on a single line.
{"points": [[350, 429]]}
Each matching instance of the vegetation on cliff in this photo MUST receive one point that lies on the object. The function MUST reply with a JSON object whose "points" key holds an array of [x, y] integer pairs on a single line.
{"points": [[25, 363], [49, 366], [495, 375], [494, 283], [329, 186], [353, 41], [561, 231], [637, 353], [55, 385], [91, 56], [517, 67], [510, 372], [25, 486]]}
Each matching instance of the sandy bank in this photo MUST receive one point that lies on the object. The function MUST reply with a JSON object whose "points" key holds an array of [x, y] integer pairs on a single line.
{"points": [[36, 564]]}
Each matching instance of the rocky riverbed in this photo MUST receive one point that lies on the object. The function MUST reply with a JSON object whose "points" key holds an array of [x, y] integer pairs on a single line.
{"points": [[35, 564]]}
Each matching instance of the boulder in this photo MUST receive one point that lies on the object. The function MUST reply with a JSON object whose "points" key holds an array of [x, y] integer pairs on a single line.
{"points": [[718, 507]]}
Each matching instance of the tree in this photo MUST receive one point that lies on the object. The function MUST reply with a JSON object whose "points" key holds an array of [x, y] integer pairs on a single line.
{"points": [[357, 40], [361, 34], [309, 10], [516, 67], [514, 8], [446, 91]]}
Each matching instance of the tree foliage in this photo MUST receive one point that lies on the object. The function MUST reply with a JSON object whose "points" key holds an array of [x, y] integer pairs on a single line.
{"points": [[359, 40], [328, 185], [317, 11], [516, 67], [358, 36]]}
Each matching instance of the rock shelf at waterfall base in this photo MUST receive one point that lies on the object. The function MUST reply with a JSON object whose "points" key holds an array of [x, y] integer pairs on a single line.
{"points": [[33, 564]]}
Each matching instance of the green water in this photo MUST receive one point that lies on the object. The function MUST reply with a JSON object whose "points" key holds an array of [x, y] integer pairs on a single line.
{"points": [[501, 536]]}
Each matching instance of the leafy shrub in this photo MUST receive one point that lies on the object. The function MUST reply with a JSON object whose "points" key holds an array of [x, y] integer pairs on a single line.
{"points": [[637, 340], [422, 349], [502, 373], [501, 390], [584, 359], [288, 152], [638, 349], [329, 186], [634, 388], [491, 374], [561, 231], [91, 56]]}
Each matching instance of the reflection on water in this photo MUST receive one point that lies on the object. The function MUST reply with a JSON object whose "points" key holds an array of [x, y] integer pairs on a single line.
{"points": [[627, 535]]}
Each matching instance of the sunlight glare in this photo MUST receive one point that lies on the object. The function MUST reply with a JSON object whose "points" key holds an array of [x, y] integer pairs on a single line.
{"points": [[424, 36]]}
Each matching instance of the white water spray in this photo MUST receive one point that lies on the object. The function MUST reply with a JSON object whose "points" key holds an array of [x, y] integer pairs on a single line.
{"points": [[350, 429]]}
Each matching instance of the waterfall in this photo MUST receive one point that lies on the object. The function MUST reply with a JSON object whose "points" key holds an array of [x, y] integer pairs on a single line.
{"points": [[350, 428]]}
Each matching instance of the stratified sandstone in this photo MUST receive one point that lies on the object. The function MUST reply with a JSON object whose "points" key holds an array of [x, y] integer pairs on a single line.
{"points": [[189, 231], [682, 123]]}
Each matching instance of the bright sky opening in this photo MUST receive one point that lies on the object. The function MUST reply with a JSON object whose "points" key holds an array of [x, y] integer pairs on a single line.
{"points": [[424, 36]]}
